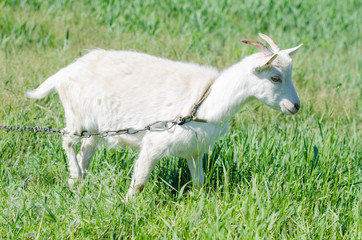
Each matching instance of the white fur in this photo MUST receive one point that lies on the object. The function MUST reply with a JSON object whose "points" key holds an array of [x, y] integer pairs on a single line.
{"points": [[111, 90]]}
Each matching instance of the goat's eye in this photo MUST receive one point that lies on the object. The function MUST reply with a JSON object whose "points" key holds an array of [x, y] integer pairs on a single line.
{"points": [[276, 79]]}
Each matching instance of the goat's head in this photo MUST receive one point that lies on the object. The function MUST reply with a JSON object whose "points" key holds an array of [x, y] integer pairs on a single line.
{"points": [[272, 73]]}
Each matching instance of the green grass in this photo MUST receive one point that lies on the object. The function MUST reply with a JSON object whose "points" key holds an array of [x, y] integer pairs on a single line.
{"points": [[271, 177]]}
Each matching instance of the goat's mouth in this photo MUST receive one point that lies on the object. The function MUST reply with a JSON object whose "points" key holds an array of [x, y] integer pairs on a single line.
{"points": [[287, 110]]}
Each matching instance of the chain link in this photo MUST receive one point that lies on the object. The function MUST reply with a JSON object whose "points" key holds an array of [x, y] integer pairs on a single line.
{"points": [[165, 125]]}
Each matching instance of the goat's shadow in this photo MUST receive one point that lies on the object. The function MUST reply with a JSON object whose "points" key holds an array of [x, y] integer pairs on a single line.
{"points": [[174, 173]]}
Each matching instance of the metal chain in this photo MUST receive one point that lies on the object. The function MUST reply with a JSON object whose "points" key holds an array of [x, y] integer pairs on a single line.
{"points": [[166, 125], [34, 129]]}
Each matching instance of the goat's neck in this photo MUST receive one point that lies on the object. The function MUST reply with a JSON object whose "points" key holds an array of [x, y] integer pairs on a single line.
{"points": [[230, 91]]}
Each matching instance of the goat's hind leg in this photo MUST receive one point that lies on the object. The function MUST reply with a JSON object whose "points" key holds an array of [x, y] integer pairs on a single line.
{"points": [[74, 168], [86, 152]]}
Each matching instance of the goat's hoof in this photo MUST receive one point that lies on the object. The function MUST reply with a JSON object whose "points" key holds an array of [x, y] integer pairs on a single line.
{"points": [[73, 182], [129, 197], [133, 191]]}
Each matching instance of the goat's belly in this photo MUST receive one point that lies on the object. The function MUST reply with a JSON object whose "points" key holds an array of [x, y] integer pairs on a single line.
{"points": [[124, 140], [194, 148], [195, 139]]}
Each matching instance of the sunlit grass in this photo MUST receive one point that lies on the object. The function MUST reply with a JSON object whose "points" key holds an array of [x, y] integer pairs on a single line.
{"points": [[272, 176]]}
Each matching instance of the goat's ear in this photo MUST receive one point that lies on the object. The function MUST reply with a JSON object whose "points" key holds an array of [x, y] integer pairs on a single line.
{"points": [[267, 64], [291, 51]]}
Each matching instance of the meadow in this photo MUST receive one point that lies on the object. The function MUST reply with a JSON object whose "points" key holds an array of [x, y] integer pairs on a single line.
{"points": [[272, 177]]}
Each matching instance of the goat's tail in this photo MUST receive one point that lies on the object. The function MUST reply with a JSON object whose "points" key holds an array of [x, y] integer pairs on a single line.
{"points": [[45, 88]]}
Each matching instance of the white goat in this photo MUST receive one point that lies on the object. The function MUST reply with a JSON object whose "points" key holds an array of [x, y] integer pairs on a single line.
{"points": [[112, 90]]}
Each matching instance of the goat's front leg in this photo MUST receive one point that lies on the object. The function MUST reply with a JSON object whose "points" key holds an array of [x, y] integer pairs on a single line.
{"points": [[196, 171], [143, 166], [74, 169]]}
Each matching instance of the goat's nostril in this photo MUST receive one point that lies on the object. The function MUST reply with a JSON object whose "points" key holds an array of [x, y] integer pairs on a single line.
{"points": [[297, 106]]}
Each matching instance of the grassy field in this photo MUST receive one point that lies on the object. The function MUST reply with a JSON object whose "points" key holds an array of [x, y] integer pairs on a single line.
{"points": [[272, 177]]}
